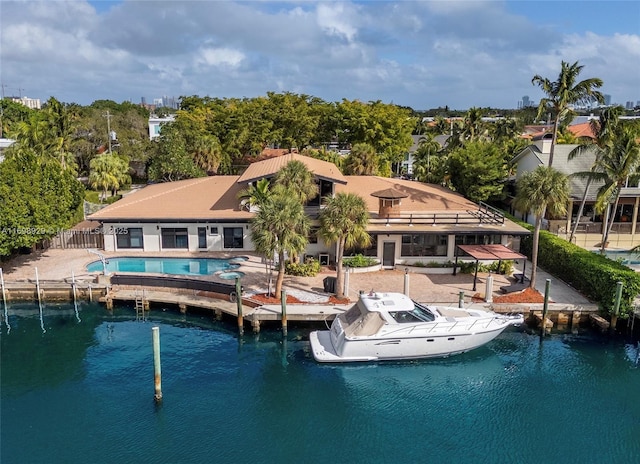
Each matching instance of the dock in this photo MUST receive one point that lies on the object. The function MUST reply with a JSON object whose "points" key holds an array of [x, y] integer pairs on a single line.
{"points": [[253, 313]]}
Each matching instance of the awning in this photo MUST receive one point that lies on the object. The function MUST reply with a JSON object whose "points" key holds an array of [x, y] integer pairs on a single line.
{"points": [[489, 253]]}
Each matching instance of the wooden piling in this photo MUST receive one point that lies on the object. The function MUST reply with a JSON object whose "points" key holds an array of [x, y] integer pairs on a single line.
{"points": [[239, 306], [545, 308], [283, 303], [616, 307], [155, 331], [461, 300]]}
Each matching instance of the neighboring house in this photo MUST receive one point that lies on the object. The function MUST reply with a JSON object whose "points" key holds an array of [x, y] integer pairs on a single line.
{"points": [[155, 124], [409, 221], [407, 163], [590, 228], [4, 144]]}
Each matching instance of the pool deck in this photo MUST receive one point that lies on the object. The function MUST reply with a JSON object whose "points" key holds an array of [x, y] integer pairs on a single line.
{"points": [[57, 265]]}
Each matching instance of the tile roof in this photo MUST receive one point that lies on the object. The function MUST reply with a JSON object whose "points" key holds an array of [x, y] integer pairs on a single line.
{"points": [[271, 166], [214, 197]]}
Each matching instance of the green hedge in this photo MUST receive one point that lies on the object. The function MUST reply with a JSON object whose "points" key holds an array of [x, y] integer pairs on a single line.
{"points": [[592, 274]]}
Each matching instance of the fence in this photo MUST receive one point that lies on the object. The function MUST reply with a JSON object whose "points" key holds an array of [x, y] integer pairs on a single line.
{"points": [[75, 239]]}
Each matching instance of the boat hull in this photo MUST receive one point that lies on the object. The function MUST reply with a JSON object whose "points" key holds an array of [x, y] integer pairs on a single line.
{"points": [[390, 349]]}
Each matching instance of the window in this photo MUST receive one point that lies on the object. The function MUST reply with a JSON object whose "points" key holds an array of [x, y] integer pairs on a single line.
{"points": [[175, 238], [202, 237], [478, 239], [424, 245], [233, 237], [130, 238], [313, 235]]}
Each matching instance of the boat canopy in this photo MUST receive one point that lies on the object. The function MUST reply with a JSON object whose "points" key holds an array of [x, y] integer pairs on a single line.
{"points": [[358, 321]]}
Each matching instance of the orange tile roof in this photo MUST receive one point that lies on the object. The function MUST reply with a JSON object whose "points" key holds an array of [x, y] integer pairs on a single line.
{"points": [[208, 198], [582, 130], [421, 198], [271, 166]]}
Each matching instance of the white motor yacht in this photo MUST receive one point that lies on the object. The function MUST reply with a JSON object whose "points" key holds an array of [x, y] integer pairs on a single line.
{"points": [[391, 326]]}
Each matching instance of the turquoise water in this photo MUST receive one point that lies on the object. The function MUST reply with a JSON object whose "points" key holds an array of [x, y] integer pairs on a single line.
{"points": [[179, 266], [625, 257], [82, 392]]}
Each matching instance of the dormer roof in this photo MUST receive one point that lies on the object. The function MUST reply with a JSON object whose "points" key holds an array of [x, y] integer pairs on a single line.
{"points": [[270, 167]]}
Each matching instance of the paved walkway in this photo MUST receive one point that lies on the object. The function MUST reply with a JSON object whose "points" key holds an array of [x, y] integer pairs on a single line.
{"points": [[55, 264]]}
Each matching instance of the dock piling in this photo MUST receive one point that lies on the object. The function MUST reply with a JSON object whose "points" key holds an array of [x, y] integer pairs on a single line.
{"points": [[4, 301], [283, 303], [461, 300], [406, 281], [75, 296], [545, 308], [155, 335], [239, 306], [39, 301], [616, 307]]}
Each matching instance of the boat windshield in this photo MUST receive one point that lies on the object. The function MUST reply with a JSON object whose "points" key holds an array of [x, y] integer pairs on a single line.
{"points": [[419, 313]]}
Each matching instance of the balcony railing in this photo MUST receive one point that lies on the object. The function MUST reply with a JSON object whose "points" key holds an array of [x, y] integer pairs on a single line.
{"points": [[485, 214]]}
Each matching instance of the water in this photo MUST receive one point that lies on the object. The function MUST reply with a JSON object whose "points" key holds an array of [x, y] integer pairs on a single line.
{"points": [[83, 392], [179, 266]]}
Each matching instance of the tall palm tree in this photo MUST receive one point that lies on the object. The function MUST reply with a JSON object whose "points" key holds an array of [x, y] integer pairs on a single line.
{"points": [[344, 221], [296, 178], [603, 130], [279, 227], [565, 92], [540, 191], [619, 166], [425, 159]]}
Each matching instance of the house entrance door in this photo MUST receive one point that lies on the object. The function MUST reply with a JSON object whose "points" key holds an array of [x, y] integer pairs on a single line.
{"points": [[388, 254]]}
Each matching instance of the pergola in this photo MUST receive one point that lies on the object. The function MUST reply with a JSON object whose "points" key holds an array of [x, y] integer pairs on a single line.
{"points": [[489, 253]]}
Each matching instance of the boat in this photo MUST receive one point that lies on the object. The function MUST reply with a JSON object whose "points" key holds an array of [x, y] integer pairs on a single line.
{"points": [[391, 326]]}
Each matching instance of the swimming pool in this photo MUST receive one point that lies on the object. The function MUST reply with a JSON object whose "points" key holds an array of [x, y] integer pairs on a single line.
{"points": [[176, 266], [626, 257]]}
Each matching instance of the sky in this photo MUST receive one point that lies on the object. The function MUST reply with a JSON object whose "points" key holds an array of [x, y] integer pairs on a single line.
{"points": [[422, 54]]}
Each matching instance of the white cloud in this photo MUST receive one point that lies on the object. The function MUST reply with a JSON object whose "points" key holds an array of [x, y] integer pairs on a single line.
{"points": [[421, 54]]}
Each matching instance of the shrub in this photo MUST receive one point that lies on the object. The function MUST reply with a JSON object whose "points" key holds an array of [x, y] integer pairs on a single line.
{"points": [[592, 274], [309, 268], [359, 261]]}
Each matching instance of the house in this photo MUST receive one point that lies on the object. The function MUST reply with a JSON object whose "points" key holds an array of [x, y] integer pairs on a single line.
{"points": [[4, 144], [409, 158], [155, 124], [409, 221], [625, 225]]}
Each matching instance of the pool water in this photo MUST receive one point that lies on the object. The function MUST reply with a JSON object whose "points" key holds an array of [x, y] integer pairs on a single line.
{"points": [[623, 256], [176, 266]]}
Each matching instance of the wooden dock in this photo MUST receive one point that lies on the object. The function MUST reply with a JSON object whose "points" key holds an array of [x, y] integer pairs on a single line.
{"points": [[252, 312]]}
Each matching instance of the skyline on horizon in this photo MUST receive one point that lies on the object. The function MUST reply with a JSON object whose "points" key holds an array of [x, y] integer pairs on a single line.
{"points": [[422, 54]]}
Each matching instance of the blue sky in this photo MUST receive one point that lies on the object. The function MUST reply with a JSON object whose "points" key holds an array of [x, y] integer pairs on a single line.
{"points": [[422, 54]]}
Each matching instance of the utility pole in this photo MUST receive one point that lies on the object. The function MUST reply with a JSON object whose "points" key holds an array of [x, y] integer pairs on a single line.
{"points": [[108, 116]]}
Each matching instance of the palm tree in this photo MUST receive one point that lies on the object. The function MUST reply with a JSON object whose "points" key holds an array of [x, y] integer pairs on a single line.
{"points": [[603, 130], [540, 191], [361, 161], [565, 92], [618, 167], [344, 221], [296, 178], [279, 227], [207, 153], [254, 195], [108, 172], [425, 159]]}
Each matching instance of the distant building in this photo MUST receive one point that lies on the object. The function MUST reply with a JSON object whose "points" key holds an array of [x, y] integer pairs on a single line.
{"points": [[155, 125], [4, 144], [629, 105], [33, 103], [607, 99]]}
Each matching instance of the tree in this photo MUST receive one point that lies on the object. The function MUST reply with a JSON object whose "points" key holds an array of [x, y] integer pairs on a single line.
{"points": [[618, 167], [540, 191], [565, 92], [478, 170], [362, 161], [171, 161], [344, 221], [108, 172], [603, 129], [296, 178], [280, 227], [255, 195], [426, 160]]}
